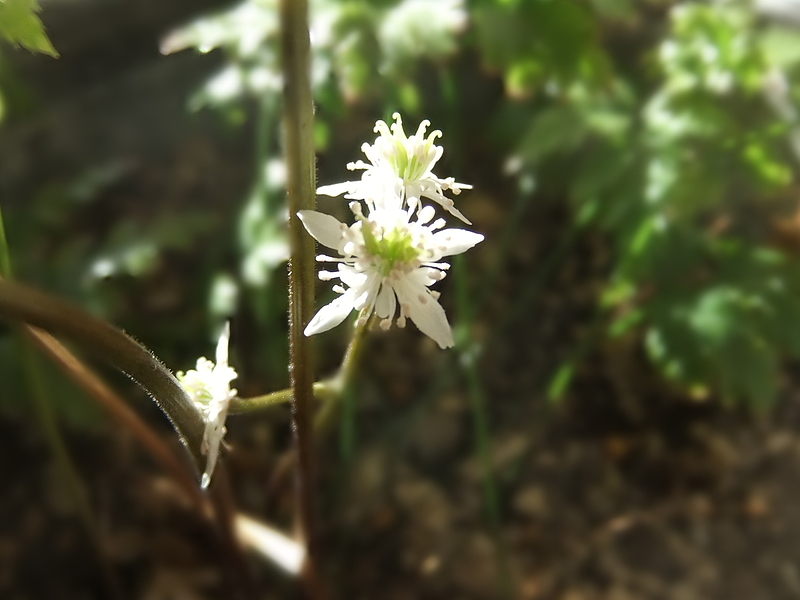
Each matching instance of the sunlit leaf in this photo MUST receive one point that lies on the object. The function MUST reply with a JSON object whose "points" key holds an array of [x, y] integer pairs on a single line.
{"points": [[21, 26]]}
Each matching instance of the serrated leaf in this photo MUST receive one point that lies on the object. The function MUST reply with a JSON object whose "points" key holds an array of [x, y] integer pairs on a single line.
{"points": [[20, 26]]}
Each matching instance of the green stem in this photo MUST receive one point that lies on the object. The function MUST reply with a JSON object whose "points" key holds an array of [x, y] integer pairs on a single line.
{"points": [[301, 191], [332, 391], [329, 390], [338, 384], [323, 390], [52, 434]]}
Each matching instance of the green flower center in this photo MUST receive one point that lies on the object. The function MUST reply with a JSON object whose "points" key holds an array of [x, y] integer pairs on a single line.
{"points": [[394, 248], [406, 164]]}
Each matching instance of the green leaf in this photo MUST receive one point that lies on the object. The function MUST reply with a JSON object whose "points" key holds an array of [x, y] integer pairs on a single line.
{"points": [[781, 46], [554, 130], [20, 26]]}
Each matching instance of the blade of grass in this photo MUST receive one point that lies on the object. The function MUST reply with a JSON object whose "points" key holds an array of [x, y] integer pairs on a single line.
{"points": [[491, 494], [52, 434], [468, 355]]}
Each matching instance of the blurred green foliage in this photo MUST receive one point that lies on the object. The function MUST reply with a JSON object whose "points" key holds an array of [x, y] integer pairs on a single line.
{"points": [[667, 122], [673, 145], [670, 127]]}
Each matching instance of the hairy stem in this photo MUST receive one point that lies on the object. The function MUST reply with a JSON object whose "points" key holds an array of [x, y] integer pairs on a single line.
{"points": [[301, 190], [323, 390], [18, 302], [120, 412]]}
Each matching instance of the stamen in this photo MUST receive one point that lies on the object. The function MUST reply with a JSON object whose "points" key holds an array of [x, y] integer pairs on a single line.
{"points": [[355, 207], [426, 215]]}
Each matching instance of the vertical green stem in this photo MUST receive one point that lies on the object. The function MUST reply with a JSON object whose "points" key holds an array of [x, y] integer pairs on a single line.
{"points": [[49, 425], [301, 189]]}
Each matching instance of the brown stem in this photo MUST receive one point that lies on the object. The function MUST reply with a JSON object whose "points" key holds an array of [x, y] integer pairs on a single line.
{"points": [[333, 389], [299, 148]]}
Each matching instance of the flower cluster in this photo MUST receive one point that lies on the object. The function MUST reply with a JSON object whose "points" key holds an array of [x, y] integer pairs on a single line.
{"points": [[209, 387], [391, 255]]}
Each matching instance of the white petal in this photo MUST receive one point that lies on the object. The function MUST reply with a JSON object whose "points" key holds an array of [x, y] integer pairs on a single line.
{"points": [[324, 228], [456, 213], [428, 190], [222, 344], [367, 293], [212, 437], [386, 304], [330, 315], [337, 189], [455, 241], [426, 312], [352, 278]]}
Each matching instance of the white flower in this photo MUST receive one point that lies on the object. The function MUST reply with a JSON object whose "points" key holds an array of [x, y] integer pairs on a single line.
{"points": [[415, 29], [407, 161], [388, 260], [209, 388]]}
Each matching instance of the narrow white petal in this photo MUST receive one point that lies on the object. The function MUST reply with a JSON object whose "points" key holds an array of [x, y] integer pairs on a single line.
{"points": [[330, 315], [386, 304], [324, 228], [456, 213], [222, 344], [426, 312], [429, 190], [455, 241], [337, 189], [212, 437]]}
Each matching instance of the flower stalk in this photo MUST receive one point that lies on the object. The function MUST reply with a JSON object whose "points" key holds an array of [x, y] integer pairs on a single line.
{"points": [[301, 184]]}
